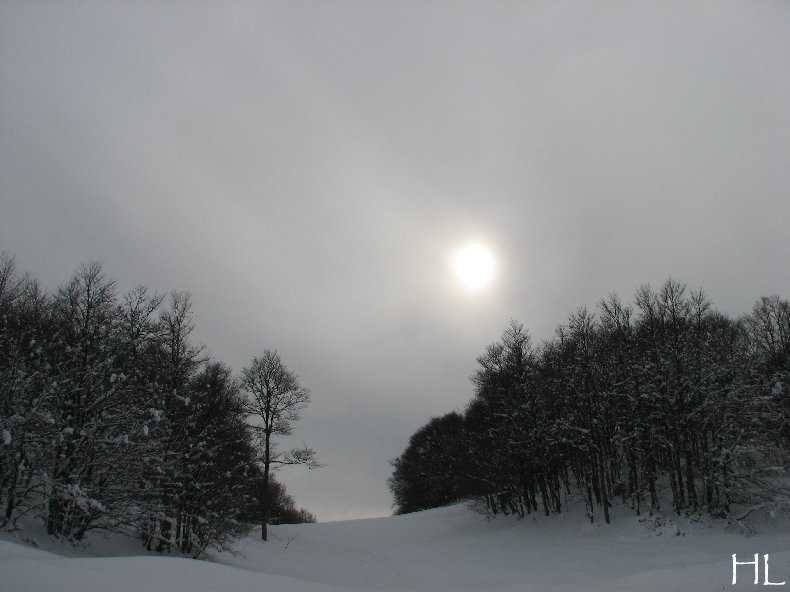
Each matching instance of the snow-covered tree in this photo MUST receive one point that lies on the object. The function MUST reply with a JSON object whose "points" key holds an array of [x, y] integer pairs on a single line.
{"points": [[110, 417], [624, 403]]}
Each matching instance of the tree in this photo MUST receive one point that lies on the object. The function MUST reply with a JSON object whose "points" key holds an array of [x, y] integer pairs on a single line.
{"points": [[276, 399], [668, 396], [217, 455], [284, 509], [24, 390], [427, 474], [89, 411], [179, 362], [111, 418]]}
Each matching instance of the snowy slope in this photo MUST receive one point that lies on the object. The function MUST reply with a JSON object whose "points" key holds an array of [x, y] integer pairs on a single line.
{"points": [[446, 549]]}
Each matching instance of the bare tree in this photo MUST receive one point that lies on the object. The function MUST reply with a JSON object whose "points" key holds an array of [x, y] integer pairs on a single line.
{"points": [[276, 398]]}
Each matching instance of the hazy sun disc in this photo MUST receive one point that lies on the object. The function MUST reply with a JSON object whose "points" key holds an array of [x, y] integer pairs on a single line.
{"points": [[475, 266]]}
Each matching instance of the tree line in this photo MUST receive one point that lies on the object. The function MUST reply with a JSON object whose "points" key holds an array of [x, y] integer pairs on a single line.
{"points": [[665, 400], [112, 418]]}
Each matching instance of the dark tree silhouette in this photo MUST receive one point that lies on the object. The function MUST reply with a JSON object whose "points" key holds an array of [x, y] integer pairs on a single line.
{"points": [[275, 399], [665, 399]]}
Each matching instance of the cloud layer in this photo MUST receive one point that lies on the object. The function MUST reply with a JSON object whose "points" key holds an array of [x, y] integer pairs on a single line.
{"points": [[307, 171]]}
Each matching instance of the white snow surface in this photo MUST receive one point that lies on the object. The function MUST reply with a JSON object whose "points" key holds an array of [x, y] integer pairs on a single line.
{"points": [[446, 549]]}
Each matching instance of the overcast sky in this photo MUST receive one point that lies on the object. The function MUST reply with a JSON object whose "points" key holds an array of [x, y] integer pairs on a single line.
{"points": [[307, 170]]}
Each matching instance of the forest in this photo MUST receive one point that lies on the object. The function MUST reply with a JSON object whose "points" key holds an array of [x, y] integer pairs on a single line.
{"points": [[112, 418], [666, 401]]}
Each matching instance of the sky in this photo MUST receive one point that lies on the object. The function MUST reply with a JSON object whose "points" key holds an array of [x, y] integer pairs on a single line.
{"points": [[307, 171]]}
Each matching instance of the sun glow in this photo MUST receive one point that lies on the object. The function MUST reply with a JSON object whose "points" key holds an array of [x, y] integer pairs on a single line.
{"points": [[475, 266]]}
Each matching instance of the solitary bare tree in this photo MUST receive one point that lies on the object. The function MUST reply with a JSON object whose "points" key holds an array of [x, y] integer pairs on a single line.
{"points": [[275, 398]]}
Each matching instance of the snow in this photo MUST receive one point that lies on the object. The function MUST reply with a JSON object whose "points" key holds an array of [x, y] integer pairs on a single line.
{"points": [[439, 550]]}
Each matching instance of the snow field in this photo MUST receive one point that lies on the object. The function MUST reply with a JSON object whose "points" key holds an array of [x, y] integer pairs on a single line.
{"points": [[445, 549]]}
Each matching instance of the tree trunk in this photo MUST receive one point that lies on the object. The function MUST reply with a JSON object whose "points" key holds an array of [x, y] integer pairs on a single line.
{"points": [[603, 487], [265, 502]]}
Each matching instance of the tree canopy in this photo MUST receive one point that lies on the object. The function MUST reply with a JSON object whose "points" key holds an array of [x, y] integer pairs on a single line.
{"points": [[112, 418], [624, 403]]}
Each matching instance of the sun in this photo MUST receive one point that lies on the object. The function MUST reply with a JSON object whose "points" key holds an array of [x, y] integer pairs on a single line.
{"points": [[475, 266]]}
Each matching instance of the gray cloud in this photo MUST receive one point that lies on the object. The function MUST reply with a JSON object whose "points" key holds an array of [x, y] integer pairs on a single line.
{"points": [[306, 170]]}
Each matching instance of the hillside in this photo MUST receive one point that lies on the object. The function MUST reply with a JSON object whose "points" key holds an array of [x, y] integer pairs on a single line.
{"points": [[445, 549]]}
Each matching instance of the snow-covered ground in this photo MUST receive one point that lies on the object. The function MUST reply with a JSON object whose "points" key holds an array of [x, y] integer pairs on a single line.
{"points": [[445, 549]]}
